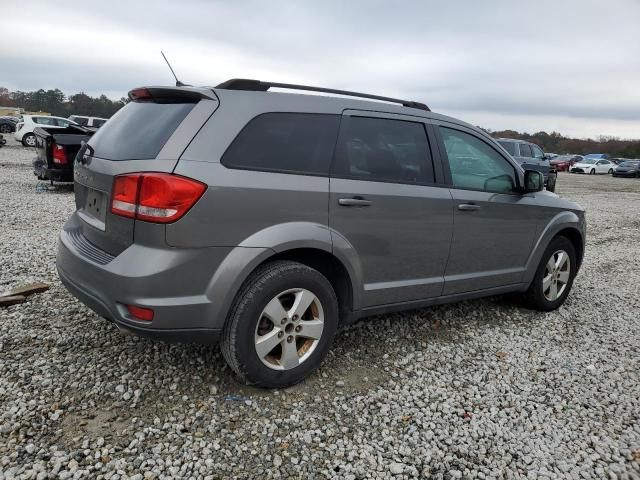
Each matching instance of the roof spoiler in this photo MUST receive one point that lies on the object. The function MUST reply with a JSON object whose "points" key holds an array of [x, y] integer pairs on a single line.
{"points": [[260, 86]]}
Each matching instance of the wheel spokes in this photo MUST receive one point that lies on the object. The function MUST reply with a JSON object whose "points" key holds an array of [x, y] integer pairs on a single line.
{"points": [[266, 343], [311, 329], [289, 358], [303, 300], [274, 310]]}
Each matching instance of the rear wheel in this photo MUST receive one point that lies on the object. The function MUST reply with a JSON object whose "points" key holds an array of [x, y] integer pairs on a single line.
{"points": [[554, 277], [29, 140], [4, 128], [281, 325]]}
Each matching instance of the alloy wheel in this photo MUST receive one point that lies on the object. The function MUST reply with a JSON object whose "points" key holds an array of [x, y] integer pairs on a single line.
{"points": [[289, 329], [30, 140], [556, 275]]}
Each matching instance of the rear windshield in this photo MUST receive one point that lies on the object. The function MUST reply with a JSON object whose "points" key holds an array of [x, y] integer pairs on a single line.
{"points": [[139, 130], [509, 147]]}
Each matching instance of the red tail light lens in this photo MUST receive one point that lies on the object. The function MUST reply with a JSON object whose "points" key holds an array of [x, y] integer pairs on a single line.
{"points": [[140, 313], [154, 197], [59, 155]]}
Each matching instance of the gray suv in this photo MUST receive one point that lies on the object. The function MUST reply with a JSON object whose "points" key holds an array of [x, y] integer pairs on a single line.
{"points": [[266, 220]]}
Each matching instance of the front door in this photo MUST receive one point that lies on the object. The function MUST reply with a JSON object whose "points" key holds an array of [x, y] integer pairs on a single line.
{"points": [[494, 227], [385, 206]]}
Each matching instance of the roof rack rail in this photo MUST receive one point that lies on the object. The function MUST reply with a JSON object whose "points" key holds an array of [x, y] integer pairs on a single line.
{"points": [[260, 86]]}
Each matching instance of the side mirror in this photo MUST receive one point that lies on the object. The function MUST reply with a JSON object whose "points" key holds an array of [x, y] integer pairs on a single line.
{"points": [[533, 181]]}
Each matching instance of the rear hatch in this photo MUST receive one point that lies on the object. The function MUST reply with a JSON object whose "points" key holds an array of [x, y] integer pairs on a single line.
{"points": [[147, 135]]}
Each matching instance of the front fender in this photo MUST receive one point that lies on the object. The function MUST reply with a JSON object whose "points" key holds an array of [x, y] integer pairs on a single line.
{"points": [[562, 221]]}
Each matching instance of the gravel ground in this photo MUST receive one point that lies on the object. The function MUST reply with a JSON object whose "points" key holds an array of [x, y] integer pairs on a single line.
{"points": [[480, 389]]}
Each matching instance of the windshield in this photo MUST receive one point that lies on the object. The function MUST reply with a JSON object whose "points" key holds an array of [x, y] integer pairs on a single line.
{"points": [[629, 164], [589, 161], [596, 156]]}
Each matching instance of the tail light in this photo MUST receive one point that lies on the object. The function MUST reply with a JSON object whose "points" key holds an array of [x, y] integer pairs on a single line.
{"points": [[140, 313], [154, 197], [59, 154]]}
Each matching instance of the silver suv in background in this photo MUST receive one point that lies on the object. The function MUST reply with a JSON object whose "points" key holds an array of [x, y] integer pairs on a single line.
{"points": [[266, 220], [531, 157]]}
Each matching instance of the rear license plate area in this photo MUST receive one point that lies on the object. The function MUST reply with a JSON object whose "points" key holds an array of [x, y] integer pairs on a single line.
{"points": [[94, 211]]}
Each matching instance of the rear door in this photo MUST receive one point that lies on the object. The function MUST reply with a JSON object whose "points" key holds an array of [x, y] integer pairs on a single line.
{"points": [[148, 134], [542, 163], [525, 157], [385, 204]]}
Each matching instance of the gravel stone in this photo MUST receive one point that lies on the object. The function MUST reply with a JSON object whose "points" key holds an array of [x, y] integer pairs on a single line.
{"points": [[478, 389]]}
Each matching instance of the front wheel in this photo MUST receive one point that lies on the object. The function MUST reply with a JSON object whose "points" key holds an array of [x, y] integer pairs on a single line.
{"points": [[551, 182], [610, 171], [29, 140], [593, 171], [554, 277], [281, 325]]}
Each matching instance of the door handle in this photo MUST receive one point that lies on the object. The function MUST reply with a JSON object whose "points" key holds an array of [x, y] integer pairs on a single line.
{"points": [[354, 202], [468, 207]]}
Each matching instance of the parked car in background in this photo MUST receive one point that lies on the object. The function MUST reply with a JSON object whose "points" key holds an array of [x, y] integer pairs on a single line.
{"points": [[92, 123], [267, 220], [24, 129], [593, 166], [531, 157], [563, 163], [597, 156], [56, 149], [628, 168], [8, 124]]}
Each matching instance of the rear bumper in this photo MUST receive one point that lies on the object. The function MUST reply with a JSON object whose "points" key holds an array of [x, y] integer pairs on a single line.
{"points": [[625, 174], [57, 174], [172, 282]]}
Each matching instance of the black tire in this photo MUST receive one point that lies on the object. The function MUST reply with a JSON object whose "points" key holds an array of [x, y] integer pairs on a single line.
{"points": [[534, 297], [592, 172], [27, 138], [551, 182], [238, 335], [4, 129], [610, 171]]}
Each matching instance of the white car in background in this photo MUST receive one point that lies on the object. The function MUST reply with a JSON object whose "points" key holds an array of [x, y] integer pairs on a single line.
{"points": [[91, 122], [24, 128], [593, 166]]}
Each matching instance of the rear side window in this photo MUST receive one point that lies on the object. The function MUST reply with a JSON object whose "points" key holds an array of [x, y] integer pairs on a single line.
{"points": [[300, 143], [44, 121], [379, 149], [509, 147], [80, 120], [525, 150], [98, 123], [139, 130]]}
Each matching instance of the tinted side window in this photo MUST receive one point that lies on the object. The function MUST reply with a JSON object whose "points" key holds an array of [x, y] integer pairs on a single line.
{"points": [[379, 149], [62, 123], [285, 142], [537, 152], [525, 150], [44, 121], [139, 130], [475, 165], [80, 120], [98, 123], [509, 147]]}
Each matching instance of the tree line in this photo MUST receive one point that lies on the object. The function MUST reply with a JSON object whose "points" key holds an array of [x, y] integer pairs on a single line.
{"points": [[556, 143], [57, 103]]}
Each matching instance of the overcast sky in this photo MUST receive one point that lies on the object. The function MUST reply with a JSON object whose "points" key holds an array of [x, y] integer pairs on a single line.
{"points": [[564, 65]]}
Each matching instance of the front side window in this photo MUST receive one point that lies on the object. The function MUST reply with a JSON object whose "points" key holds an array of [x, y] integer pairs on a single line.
{"points": [[525, 150], [475, 165], [62, 123], [537, 152], [381, 149], [80, 120], [299, 143]]}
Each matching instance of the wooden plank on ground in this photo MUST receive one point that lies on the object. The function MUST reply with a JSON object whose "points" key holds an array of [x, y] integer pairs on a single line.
{"points": [[30, 289], [11, 300]]}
